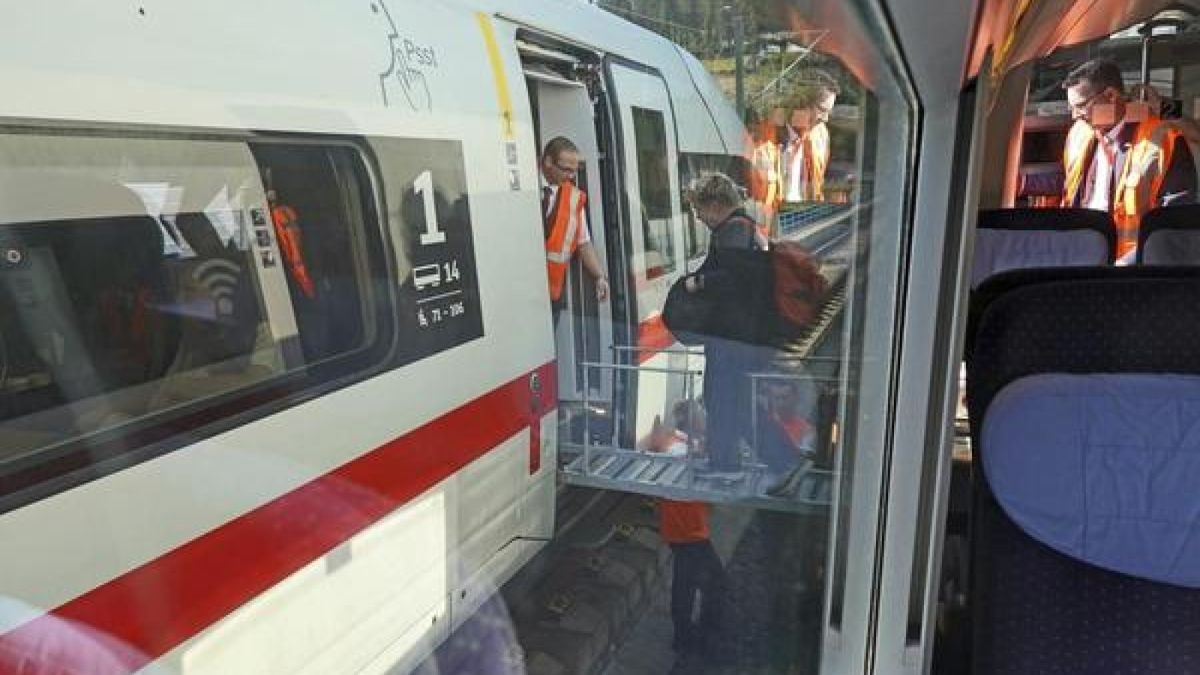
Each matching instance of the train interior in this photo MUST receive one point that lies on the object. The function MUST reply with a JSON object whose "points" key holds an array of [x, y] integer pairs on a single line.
{"points": [[1022, 225]]}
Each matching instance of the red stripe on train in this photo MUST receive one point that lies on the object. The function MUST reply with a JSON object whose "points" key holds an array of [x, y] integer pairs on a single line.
{"points": [[653, 336], [156, 607]]}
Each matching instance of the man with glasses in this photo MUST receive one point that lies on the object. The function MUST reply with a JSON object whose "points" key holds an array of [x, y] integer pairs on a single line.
{"points": [[1118, 157], [564, 220], [807, 152]]}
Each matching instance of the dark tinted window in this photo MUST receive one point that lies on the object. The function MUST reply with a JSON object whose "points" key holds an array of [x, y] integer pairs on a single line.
{"points": [[654, 185], [142, 276]]}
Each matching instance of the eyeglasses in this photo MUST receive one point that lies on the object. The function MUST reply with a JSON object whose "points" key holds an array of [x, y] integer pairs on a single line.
{"points": [[1083, 107], [566, 169]]}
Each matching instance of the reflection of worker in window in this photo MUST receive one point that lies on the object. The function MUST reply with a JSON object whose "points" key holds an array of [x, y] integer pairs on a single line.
{"points": [[807, 153], [1119, 164], [696, 569], [564, 220], [287, 233], [766, 185], [787, 431]]}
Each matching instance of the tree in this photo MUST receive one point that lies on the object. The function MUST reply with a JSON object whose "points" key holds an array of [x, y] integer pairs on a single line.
{"points": [[701, 26]]}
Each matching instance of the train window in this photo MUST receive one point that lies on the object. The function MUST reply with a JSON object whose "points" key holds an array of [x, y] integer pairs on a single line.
{"points": [[650, 135], [772, 420], [141, 276], [695, 234], [316, 243]]}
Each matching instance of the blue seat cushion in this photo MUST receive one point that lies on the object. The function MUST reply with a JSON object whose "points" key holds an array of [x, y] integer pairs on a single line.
{"points": [[1104, 468]]}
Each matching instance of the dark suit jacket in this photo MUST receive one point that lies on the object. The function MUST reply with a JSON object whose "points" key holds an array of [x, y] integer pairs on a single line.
{"points": [[734, 282]]}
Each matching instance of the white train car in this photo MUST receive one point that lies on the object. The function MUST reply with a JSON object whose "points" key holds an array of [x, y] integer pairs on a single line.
{"points": [[278, 388]]}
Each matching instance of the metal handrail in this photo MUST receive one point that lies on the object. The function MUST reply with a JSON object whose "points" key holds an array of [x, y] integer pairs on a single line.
{"points": [[793, 376], [697, 351], [645, 369], [688, 388]]}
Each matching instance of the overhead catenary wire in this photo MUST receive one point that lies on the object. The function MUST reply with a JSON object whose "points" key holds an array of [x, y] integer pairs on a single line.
{"points": [[664, 22]]}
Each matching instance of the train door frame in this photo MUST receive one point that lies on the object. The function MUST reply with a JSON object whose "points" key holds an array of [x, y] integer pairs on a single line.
{"points": [[571, 64], [582, 333], [630, 404], [620, 392]]}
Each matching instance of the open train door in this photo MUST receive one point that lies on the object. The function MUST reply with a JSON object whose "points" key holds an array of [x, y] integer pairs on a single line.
{"points": [[562, 106], [649, 171]]}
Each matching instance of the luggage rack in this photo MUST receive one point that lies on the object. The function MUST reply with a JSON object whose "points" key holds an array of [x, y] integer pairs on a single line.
{"points": [[684, 476]]}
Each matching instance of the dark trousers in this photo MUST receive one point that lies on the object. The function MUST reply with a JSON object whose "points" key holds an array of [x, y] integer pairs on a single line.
{"points": [[728, 398], [696, 569]]}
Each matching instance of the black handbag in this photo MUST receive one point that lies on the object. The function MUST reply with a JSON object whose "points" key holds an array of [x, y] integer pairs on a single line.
{"points": [[686, 314], [732, 304]]}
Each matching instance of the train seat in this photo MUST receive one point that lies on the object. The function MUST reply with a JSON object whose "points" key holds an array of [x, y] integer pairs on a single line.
{"points": [[1086, 523], [90, 286], [1170, 236], [224, 344], [1020, 238]]}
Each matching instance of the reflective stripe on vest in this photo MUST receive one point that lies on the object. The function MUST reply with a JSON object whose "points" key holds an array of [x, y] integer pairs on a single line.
{"points": [[767, 179], [564, 235], [1140, 184], [817, 160], [1078, 150]]}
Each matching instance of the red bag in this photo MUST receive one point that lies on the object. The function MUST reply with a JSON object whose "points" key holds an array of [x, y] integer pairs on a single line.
{"points": [[798, 288]]}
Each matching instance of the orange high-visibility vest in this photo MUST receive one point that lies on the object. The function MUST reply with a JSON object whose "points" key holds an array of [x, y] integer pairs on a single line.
{"points": [[1077, 154], [1139, 186], [818, 161], [767, 179], [565, 221], [287, 233], [767, 185], [683, 522]]}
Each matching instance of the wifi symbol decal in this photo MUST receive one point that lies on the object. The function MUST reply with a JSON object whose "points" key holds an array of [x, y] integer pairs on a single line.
{"points": [[219, 279]]}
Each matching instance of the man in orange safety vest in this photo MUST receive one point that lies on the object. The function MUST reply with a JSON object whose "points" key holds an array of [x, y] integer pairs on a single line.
{"points": [[291, 245], [1121, 157], [564, 218], [806, 155]]}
